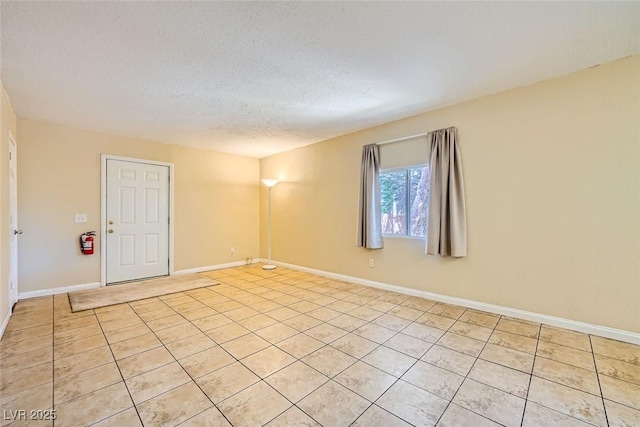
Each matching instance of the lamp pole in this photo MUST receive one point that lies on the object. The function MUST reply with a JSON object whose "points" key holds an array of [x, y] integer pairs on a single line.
{"points": [[270, 183]]}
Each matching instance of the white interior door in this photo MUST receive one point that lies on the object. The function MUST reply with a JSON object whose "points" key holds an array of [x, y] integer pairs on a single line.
{"points": [[137, 215], [13, 222]]}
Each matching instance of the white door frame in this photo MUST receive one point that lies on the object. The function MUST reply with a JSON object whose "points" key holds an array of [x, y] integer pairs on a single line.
{"points": [[13, 269], [103, 209]]}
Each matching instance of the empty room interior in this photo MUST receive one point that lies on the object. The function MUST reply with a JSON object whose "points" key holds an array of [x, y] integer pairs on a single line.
{"points": [[320, 214]]}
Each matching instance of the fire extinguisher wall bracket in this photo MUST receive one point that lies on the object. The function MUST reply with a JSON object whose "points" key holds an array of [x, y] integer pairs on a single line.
{"points": [[87, 242]]}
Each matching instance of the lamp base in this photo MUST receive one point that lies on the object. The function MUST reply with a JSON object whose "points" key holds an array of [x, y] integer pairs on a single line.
{"points": [[268, 267]]}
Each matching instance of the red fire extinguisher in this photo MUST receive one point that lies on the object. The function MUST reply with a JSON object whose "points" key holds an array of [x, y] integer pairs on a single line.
{"points": [[86, 242]]}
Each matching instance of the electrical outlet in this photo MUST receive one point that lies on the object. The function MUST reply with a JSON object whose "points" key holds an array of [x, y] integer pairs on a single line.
{"points": [[81, 217], [370, 263], [233, 250]]}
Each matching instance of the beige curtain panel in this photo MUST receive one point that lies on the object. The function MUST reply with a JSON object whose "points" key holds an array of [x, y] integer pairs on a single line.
{"points": [[447, 225], [370, 217]]}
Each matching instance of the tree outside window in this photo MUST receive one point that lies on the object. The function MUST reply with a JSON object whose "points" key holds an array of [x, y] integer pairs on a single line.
{"points": [[404, 197]]}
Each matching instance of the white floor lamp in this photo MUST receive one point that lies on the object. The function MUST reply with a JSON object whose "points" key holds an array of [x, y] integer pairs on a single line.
{"points": [[270, 183]]}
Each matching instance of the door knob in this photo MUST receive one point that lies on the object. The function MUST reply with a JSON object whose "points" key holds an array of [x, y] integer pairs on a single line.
{"points": [[17, 231], [110, 231], [110, 222]]}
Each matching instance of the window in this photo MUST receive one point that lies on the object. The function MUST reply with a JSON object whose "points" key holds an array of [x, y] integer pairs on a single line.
{"points": [[404, 196]]}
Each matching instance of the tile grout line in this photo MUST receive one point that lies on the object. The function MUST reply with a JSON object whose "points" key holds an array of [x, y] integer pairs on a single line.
{"points": [[115, 361], [531, 374], [561, 384], [271, 345], [375, 367], [412, 365], [244, 295], [179, 364], [469, 371], [330, 378], [91, 336], [373, 403], [535, 355], [53, 380], [102, 330], [217, 344], [372, 321], [300, 359], [360, 305], [573, 387], [38, 337], [595, 365], [264, 379]]}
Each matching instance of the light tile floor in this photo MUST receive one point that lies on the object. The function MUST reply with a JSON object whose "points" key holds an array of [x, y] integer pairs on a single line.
{"points": [[291, 348]]}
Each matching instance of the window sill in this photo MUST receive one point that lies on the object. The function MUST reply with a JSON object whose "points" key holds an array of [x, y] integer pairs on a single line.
{"points": [[401, 236]]}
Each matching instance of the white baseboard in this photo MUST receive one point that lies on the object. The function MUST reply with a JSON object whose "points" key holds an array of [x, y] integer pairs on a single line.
{"points": [[65, 289], [5, 322], [211, 267], [55, 291], [574, 325]]}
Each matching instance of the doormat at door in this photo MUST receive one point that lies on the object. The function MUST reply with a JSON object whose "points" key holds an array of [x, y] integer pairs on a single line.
{"points": [[134, 291]]}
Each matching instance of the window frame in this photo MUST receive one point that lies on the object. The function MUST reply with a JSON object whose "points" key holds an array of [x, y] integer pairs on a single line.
{"points": [[407, 184]]}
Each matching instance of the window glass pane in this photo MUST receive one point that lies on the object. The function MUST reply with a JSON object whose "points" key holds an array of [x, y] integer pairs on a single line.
{"points": [[418, 201], [393, 197]]}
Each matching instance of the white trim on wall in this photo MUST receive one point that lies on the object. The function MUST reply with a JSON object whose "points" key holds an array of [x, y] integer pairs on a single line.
{"points": [[56, 291], [574, 325], [103, 209], [588, 328], [12, 271], [210, 267], [5, 322], [93, 285]]}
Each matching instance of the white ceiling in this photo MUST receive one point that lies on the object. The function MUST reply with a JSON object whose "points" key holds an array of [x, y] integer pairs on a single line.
{"points": [[257, 78]]}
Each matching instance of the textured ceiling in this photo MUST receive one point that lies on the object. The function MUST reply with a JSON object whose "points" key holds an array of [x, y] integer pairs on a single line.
{"points": [[260, 78]]}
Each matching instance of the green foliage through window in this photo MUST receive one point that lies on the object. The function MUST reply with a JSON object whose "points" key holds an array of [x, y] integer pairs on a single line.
{"points": [[404, 196]]}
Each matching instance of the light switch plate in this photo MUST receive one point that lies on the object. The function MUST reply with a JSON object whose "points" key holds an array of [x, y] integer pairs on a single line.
{"points": [[81, 217]]}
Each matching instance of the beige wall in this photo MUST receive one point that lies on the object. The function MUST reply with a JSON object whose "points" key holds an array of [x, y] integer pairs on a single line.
{"points": [[7, 123], [553, 195], [216, 202]]}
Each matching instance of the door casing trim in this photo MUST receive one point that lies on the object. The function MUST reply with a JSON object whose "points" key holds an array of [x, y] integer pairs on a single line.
{"points": [[103, 209], [13, 269]]}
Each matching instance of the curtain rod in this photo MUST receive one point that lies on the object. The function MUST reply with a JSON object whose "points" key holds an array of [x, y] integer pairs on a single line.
{"points": [[404, 138]]}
